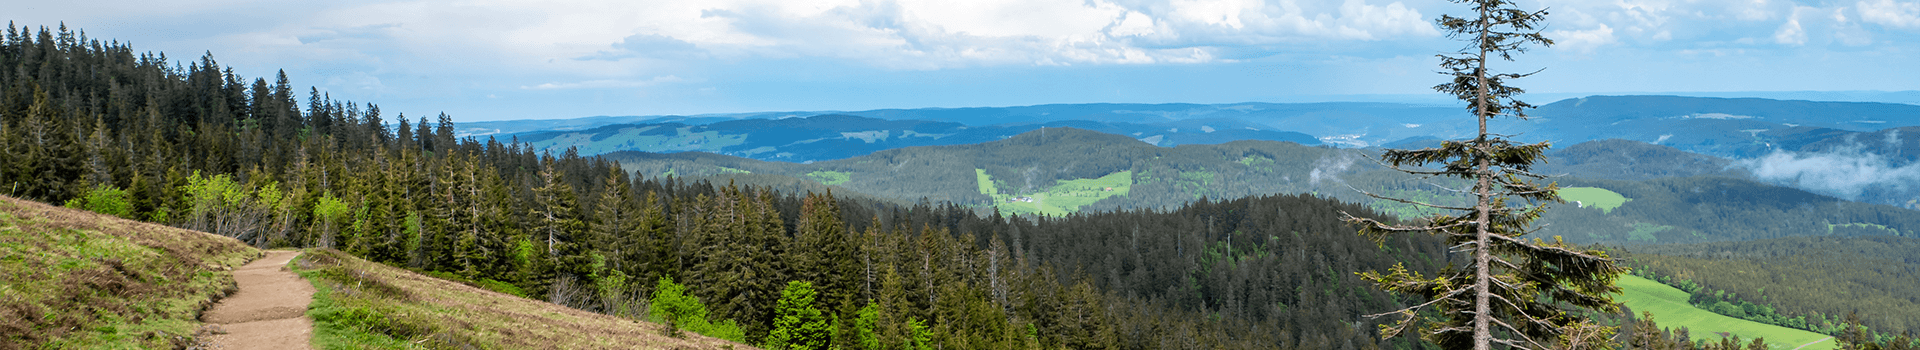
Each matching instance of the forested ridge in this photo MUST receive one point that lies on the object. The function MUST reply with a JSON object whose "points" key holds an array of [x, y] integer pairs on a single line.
{"points": [[97, 126]]}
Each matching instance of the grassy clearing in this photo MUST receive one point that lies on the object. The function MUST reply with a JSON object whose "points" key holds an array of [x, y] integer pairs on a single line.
{"points": [[1064, 197], [1669, 307], [72, 279], [363, 305], [1645, 232], [1594, 197], [830, 178]]}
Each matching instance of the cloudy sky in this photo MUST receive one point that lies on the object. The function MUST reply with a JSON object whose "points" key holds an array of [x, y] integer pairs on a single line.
{"points": [[511, 59]]}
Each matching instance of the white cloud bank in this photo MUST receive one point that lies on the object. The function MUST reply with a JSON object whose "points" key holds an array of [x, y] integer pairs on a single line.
{"points": [[1845, 174]]}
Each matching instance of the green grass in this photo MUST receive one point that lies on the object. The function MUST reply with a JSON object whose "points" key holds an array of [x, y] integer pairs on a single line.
{"points": [[1670, 309], [71, 279], [830, 178], [1644, 232], [1064, 197], [365, 305], [1594, 197]]}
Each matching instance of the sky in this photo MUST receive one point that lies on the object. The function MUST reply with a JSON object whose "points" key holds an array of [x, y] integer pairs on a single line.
{"points": [[509, 59]]}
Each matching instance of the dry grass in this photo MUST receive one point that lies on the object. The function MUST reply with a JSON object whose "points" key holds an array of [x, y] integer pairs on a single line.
{"points": [[368, 305], [76, 279]]}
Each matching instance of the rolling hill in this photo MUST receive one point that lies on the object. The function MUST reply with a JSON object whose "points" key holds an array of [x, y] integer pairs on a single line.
{"points": [[833, 136], [1675, 197]]}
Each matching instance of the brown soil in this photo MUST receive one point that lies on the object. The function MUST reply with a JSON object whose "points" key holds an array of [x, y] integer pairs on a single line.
{"points": [[270, 310]]}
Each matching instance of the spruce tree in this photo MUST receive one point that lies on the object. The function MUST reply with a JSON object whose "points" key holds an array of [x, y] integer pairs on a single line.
{"points": [[557, 226], [798, 322], [1516, 292]]}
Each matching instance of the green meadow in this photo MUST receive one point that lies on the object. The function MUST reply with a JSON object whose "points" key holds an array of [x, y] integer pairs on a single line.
{"points": [[1064, 197], [1594, 197], [1670, 309]]}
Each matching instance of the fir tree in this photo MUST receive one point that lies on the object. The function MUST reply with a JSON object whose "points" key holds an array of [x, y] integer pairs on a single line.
{"points": [[1515, 292]]}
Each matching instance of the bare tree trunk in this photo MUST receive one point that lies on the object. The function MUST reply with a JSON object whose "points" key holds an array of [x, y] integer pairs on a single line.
{"points": [[1483, 252]]}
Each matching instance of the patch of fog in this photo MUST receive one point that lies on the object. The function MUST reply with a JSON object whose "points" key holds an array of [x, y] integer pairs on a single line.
{"points": [[1328, 167], [1844, 173], [1206, 129], [1869, 121], [1663, 138], [1410, 126], [1153, 140], [1893, 139]]}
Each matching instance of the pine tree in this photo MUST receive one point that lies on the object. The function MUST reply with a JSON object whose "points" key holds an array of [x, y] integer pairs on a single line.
{"points": [[824, 252], [558, 227], [798, 323], [1515, 292]]}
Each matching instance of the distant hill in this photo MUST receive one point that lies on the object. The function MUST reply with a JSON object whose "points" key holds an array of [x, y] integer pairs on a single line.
{"points": [[1726, 127], [829, 137], [1671, 196], [1632, 160], [1038, 162]]}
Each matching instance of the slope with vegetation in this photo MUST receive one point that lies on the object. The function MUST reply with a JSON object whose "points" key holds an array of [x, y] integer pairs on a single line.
{"points": [[1810, 283], [75, 279], [1671, 307], [361, 304]]}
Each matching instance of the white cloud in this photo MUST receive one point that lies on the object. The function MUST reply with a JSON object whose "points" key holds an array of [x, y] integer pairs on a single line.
{"points": [[1582, 41], [1844, 173], [1896, 14], [1791, 33]]}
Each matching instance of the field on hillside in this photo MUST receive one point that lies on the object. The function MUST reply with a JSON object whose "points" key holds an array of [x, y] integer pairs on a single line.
{"points": [[1064, 197], [1670, 309], [76, 279], [1594, 197], [359, 304]]}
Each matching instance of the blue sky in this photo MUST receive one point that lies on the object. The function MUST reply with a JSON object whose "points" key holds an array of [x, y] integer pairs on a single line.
{"points": [[510, 59]]}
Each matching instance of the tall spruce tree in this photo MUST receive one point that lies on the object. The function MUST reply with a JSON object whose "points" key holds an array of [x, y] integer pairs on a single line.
{"points": [[1517, 292]]}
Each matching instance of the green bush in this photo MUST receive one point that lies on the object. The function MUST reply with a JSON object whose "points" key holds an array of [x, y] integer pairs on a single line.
{"points": [[671, 304], [104, 199]]}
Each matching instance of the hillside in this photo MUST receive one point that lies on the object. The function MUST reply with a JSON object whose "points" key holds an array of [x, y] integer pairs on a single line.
{"points": [[1811, 281], [76, 279], [361, 303], [1617, 159], [833, 136], [1036, 162]]}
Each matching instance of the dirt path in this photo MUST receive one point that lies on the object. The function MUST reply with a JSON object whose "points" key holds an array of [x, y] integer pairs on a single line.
{"points": [[269, 312]]}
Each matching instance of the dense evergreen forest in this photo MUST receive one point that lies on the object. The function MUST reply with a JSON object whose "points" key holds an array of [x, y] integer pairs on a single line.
{"points": [[97, 126]]}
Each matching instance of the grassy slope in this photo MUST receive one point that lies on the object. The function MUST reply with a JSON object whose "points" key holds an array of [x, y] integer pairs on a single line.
{"points": [[75, 279], [363, 305], [1669, 307], [1594, 197], [1065, 197]]}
